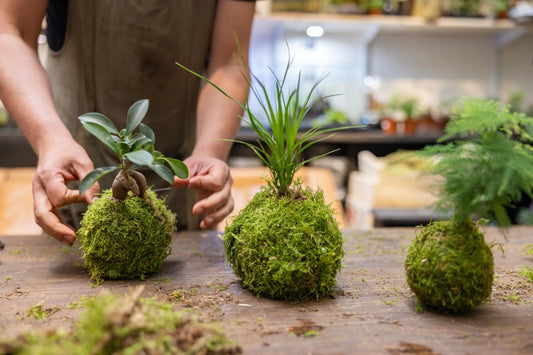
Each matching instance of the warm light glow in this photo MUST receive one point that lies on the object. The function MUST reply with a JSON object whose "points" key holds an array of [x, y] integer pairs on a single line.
{"points": [[315, 31]]}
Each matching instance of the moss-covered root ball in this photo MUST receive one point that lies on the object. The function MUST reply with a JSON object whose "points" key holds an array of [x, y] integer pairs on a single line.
{"points": [[126, 239], [285, 247], [449, 267]]}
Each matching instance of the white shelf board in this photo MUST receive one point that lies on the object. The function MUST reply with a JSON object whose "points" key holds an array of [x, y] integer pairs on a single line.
{"points": [[294, 21]]}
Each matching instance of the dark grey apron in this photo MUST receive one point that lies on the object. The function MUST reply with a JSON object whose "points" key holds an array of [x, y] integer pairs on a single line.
{"points": [[118, 52]]}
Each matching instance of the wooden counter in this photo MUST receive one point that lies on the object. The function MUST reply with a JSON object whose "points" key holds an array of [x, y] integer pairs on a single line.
{"points": [[371, 311]]}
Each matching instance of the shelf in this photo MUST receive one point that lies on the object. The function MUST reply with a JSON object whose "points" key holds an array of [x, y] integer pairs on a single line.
{"points": [[337, 23]]}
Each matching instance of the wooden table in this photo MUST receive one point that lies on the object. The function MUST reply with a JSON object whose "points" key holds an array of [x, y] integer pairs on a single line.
{"points": [[370, 312]]}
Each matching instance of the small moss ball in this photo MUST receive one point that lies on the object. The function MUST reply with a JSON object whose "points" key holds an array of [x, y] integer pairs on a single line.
{"points": [[449, 267], [284, 247], [126, 239]]}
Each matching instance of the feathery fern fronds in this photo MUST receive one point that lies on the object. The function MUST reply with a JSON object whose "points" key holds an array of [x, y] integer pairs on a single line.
{"points": [[490, 166]]}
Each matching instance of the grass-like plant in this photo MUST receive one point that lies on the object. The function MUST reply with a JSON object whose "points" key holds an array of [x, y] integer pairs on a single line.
{"points": [[127, 232], [486, 169], [286, 242]]}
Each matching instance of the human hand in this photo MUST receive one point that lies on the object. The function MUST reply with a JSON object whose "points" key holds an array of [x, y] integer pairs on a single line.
{"points": [[59, 163], [211, 179]]}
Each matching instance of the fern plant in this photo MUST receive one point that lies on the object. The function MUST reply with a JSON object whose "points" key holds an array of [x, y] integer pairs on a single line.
{"points": [[449, 266], [490, 166]]}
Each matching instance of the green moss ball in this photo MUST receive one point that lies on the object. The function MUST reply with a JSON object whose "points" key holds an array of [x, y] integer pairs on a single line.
{"points": [[284, 247], [126, 239], [449, 267]]}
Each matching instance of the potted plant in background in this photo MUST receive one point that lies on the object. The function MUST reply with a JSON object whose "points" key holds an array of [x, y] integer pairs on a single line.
{"points": [[285, 243], [462, 8], [372, 7], [409, 107], [449, 266], [498, 8], [126, 233]]}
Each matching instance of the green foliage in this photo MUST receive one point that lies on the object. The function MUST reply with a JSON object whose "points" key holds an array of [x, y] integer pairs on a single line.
{"points": [[125, 325], [285, 248], [280, 145], [133, 150], [126, 238], [371, 4], [449, 266], [490, 166], [527, 272]]}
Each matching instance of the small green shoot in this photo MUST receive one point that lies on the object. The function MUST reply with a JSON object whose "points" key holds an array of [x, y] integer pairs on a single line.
{"points": [[527, 272]]}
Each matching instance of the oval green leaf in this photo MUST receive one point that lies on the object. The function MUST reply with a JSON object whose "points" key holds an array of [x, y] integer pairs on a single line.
{"points": [[93, 177], [103, 135], [148, 132], [164, 172], [140, 157], [100, 119], [178, 167], [136, 113]]}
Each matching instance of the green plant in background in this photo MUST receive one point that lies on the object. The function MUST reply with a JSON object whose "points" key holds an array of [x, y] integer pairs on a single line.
{"points": [[368, 5], [463, 7], [110, 324], [515, 101], [498, 6], [286, 243], [127, 232], [449, 266]]}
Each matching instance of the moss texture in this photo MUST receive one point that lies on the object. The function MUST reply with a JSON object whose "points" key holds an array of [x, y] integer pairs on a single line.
{"points": [[449, 267], [126, 239], [285, 247], [125, 325]]}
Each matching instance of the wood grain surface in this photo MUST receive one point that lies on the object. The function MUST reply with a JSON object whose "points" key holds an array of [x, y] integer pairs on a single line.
{"points": [[370, 312]]}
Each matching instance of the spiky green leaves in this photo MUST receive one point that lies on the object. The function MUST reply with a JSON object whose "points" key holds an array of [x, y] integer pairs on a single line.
{"points": [[133, 150], [126, 239], [449, 267], [490, 166], [284, 247], [280, 143]]}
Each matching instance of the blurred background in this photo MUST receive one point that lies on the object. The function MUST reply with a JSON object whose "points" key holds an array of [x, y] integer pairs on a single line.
{"points": [[394, 68]]}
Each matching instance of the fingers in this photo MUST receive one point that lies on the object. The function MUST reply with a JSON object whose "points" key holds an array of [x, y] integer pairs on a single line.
{"points": [[212, 219], [180, 183], [46, 216], [214, 205]]}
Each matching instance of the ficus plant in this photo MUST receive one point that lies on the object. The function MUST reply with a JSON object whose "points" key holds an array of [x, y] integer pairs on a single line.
{"points": [[134, 150], [126, 233], [487, 168], [286, 243]]}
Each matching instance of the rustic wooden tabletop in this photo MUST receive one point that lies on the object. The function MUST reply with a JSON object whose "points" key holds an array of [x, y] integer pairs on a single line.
{"points": [[370, 312]]}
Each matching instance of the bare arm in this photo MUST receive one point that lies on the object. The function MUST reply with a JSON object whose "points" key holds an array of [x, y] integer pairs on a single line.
{"points": [[25, 90], [218, 117]]}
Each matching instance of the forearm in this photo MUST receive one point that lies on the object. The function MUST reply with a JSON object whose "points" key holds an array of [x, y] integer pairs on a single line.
{"points": [[25, 90], [218, 116]]}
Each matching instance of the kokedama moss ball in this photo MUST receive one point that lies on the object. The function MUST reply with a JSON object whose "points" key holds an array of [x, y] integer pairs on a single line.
{"points": [[285, 247], [126, 239], [450, 268]]}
